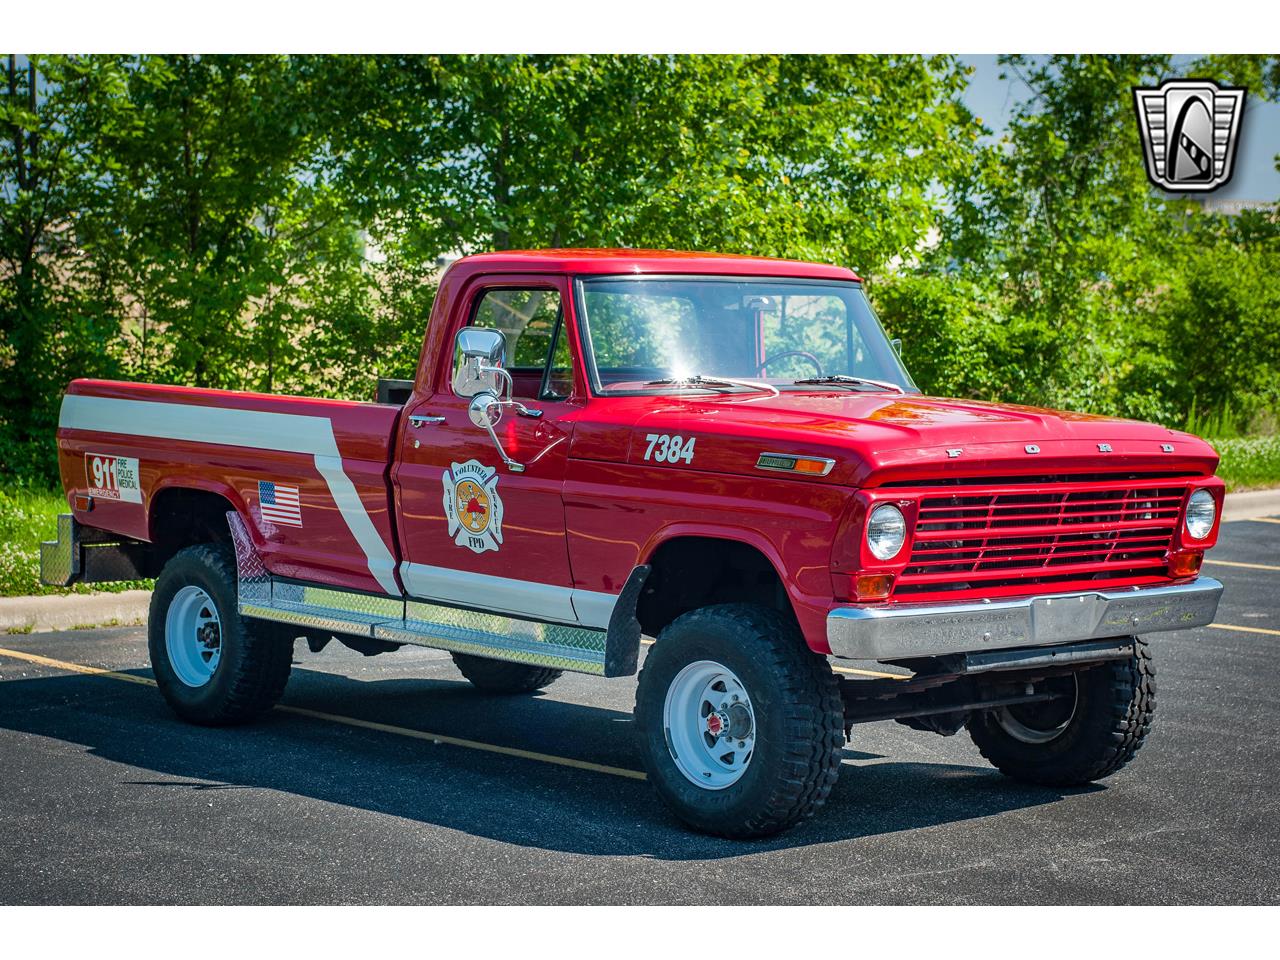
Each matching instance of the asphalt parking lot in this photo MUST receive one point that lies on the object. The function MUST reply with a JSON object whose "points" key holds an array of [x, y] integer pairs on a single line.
{"points": [[390, 780]]}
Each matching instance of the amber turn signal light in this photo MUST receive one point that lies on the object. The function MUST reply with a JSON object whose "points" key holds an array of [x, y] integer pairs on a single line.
{"points": [[1186, 563], [789, 463], [815, 467], [873, 586]]}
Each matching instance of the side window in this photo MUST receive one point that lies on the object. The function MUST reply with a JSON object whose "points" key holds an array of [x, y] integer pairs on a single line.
{"points": [[537, 348]]}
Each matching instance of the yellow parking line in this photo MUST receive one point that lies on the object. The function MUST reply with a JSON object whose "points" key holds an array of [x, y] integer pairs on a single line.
{"points": [[352, 721], [1246, 566], [1229, 626], [1264, 519], [870, 673], [469, 744], [75, 667]]}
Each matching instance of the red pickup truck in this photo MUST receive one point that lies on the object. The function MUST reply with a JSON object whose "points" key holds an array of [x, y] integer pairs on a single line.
{"points": [[722, 453]]}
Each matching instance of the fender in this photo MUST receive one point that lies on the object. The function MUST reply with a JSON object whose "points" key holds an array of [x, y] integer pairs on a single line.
{"points": [[712, 531], [810, 611]]}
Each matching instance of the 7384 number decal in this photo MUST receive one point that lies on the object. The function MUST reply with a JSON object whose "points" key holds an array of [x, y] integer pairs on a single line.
{"points": [[669, 448]]}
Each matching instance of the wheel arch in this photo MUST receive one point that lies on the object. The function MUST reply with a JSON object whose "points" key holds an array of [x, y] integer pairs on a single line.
{"points": [[183, 514], [691, 566]]}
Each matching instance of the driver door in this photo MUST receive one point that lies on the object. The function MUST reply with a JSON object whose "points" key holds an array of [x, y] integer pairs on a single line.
{"points": [[475, 532]]}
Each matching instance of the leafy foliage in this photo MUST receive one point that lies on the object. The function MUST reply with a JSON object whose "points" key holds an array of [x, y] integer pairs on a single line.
{"points": [[1249, 462], [1071, 283], [278, 223]]}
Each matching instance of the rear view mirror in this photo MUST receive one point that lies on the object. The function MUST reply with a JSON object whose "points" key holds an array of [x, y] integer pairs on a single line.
{"points": [[896, 343], [479, 355]]}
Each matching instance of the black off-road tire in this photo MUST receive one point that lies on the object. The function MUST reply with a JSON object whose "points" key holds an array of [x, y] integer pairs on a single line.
{"points": [[501, 676], [255, 656], [799, 719], [1115, 703]]}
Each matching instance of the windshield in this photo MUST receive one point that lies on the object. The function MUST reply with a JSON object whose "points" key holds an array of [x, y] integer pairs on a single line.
{"points": [[663, 334]]}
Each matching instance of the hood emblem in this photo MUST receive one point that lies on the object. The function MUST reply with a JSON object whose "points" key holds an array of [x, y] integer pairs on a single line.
{"points": [[1104, 448], [1167, 447], [1031, 448], [954, 452]]}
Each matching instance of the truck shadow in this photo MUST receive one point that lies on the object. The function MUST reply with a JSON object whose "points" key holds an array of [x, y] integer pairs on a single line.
{"points": [[503, 798]]}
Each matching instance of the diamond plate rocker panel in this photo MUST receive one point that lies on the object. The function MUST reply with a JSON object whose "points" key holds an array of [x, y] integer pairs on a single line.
{"points": [[393, 619], [503, 638]]}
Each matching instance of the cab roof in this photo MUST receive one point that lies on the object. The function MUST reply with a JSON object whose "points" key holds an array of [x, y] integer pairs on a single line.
{"points": [[615, 261]]}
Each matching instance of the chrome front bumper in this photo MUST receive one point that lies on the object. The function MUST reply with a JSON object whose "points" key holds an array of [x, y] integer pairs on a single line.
{"points": [[899, 631]]}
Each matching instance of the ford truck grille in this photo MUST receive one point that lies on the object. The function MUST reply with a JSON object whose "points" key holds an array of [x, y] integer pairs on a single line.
{"points": [[1090, 530]]}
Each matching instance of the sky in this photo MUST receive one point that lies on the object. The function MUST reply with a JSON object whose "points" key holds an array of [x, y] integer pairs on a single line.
{"points": [[1255, 177]]}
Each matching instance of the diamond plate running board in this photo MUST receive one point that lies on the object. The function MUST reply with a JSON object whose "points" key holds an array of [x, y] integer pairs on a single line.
{"points": [[611, 653]]}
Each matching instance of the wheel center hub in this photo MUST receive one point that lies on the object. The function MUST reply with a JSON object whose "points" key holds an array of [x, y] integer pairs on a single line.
{"points": [[733, 722], [208, 636], [716, 723]]}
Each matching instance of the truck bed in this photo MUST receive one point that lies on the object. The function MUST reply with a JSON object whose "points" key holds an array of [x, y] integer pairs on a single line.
{"points": [[310, 476]]}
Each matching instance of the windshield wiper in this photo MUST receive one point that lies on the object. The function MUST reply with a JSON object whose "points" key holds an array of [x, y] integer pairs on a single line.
{"points": [[700, 381], [845, 378]]}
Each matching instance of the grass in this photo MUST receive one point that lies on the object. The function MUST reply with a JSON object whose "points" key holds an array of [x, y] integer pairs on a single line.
{"points": [[1249, 463], [28, 515]]}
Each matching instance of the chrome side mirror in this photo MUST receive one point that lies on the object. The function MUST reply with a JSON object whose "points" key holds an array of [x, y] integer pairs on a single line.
{"points": [[480, 375], [483, 354], [896, 343]]}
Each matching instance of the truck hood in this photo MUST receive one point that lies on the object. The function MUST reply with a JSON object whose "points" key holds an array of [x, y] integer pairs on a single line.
{"points": [[876, 438]]}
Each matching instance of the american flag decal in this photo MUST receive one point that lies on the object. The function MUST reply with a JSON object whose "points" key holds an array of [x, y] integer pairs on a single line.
{"points": [[280, 503]]}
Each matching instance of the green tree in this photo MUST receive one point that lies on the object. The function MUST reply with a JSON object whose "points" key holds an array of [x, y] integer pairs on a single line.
{"points": [[54, 112], [1092, 266], [837, 158]]}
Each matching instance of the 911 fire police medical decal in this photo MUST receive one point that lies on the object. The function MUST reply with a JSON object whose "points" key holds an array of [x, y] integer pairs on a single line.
{"points": [[472, 506], [109, 477]]}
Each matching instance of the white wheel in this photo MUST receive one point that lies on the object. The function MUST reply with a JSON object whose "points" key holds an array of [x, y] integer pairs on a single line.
{"points": [[740, 725], [193, 636], [710, 724], [213, 666]]}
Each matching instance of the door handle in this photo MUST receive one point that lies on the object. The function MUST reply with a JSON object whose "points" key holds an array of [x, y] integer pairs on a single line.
{"points": [[421, 420]]}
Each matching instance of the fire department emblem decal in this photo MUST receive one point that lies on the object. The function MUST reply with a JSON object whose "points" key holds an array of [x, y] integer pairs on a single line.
{"points": [[1189, 130], [472, 506]]}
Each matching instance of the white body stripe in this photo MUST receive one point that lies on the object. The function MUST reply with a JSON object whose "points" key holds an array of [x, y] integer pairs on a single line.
{"points": [[538, 601], [296, 433], [256, 429], [593, 609]]}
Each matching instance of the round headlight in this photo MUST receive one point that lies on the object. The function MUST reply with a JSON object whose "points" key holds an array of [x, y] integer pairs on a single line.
{"points": [[1201, 510], [886, 531]]}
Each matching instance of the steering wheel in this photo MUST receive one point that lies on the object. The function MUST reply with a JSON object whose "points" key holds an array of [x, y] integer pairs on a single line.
{"points": [[803, 354]]}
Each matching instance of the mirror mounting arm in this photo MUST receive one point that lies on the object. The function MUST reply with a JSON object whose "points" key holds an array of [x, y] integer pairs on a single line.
{"points": [[509, 400], [479, 411]]}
